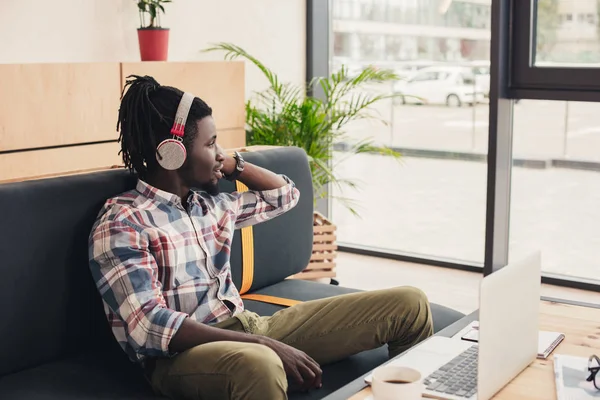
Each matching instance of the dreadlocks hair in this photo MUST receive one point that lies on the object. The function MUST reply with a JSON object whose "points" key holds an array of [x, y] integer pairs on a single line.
{"points": [[146, 116]]}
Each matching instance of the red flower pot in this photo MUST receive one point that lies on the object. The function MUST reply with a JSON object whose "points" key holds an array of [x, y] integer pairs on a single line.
{"points": [[154, 43]]}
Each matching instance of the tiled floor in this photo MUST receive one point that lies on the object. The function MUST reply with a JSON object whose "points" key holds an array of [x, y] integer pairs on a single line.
{"points": [[452, 288]]}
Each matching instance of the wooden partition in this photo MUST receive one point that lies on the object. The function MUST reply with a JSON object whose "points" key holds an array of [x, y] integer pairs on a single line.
{"points": [[45, 105], [60, 118], [217, 83]]}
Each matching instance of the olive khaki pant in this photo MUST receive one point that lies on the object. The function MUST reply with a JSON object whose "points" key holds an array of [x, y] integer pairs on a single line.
{"points": [[328, 330]]}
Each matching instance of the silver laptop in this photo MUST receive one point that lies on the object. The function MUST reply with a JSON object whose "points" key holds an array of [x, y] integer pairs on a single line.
{"points": [[509, 302]]}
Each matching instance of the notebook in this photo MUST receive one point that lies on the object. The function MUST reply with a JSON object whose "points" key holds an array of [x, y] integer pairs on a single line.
{"points": [[548, 341]]}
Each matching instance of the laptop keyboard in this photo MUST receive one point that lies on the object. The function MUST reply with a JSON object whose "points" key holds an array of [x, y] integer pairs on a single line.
{"points": [[458, 377]]}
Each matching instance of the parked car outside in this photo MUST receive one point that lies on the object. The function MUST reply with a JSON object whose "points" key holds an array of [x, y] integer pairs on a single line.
{"points": [[453, 86]]}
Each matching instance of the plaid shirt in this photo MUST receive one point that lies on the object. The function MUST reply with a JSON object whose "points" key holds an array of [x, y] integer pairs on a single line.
{"points": [[156, 263]]}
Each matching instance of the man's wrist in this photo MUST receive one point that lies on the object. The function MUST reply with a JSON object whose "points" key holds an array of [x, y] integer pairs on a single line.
{"points": [[238, 168], [259, 339]]}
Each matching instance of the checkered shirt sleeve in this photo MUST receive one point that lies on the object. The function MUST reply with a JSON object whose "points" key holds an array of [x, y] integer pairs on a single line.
{"points": [[125, 273], [253, 207]]}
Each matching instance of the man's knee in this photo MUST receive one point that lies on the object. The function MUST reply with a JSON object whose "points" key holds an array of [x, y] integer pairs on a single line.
{"points": [[256, 369], [233, 370], [413, 303], [406, 297], [411, 296], [257, 356], [411, 316]]}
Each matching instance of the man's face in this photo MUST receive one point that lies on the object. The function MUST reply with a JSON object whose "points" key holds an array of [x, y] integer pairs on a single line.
{"points": [[204, 159]]}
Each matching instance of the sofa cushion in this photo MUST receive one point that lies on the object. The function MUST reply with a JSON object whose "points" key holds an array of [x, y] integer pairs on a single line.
{"points": [[306, 290], [106, 375], [52, 308]]}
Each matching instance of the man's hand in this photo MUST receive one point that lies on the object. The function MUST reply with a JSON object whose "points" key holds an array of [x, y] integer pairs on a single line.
{"points": [[301, 368], [253, 176]]}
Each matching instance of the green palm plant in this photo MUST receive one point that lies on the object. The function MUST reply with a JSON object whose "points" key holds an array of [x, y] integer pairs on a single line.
{"points": [[283, 115]]}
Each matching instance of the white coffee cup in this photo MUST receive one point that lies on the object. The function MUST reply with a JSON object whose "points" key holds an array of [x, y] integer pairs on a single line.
{"points": [[396, 383]]}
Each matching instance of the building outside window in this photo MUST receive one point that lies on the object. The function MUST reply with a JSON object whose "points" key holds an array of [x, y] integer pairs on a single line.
{"points": [[462, 30]]}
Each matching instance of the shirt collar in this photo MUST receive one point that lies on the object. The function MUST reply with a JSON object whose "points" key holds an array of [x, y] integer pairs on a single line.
{"points": [[153, 193]]}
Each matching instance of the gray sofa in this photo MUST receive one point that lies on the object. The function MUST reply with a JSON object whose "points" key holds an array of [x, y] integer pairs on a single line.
{"points": [[54, 340]]}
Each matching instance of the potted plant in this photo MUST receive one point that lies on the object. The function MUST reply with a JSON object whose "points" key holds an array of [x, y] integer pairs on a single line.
{"points": [[283, 115], [153, 38]]}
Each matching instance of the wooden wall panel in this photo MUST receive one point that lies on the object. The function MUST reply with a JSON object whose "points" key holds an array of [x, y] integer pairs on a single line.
{"points": [[51, 107], [220, 84], [57, 104], [58, 161], [231, 138]]}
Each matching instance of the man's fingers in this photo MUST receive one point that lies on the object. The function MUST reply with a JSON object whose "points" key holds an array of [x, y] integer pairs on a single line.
{"points": [[314, 365], [296, 375], [308, 360], [316, 369], [312, 375], [318, 377]]}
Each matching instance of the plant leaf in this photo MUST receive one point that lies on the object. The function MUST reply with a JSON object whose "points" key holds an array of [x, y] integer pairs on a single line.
{"points": [[233, 52], [283, 115]]}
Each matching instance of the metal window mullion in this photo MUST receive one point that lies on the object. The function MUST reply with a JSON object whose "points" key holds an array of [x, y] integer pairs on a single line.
{"points": [[317, 61], [500, 142]]}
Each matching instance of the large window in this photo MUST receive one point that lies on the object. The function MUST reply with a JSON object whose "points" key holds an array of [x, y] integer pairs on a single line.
{"points": [[498, 121], [431, 203]]}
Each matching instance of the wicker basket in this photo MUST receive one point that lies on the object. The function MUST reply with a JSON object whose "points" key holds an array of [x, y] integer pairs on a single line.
{"points": [[321, 267]]}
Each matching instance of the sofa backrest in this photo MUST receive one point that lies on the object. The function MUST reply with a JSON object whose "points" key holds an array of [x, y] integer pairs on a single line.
{"points": [[51, 307], [283, 245]]}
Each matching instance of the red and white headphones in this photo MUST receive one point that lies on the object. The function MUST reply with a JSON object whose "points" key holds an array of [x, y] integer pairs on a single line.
{"points": [[171, 153]]}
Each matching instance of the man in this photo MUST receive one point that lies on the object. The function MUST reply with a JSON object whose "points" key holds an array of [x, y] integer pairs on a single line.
{"points": [[159, 255]]}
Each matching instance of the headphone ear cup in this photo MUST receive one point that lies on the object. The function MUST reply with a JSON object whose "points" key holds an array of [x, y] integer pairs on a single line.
{"points": [[171, 154]]}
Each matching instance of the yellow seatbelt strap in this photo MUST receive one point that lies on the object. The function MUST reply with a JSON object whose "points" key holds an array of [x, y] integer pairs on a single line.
{"points": [[271, 299], [247, 249], [248, 265]]}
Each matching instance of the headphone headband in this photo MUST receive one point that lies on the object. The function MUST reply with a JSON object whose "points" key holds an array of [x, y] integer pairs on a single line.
{"points": [[182, 113]]}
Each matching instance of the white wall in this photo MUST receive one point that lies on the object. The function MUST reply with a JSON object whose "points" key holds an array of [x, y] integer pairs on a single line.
{"points": [[33, 31]]}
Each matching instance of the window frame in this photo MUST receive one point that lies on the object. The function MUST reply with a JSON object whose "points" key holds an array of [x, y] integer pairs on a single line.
{"points": [[528, 81]]}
